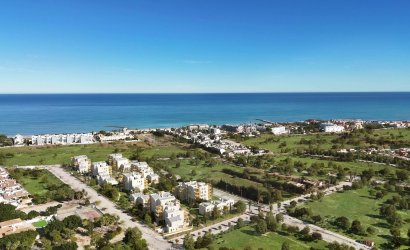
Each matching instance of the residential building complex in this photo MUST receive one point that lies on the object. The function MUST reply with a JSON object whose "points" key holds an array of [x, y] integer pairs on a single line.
{"points": [[82, 163], [168, 209], [194, 191], [62, 139], [221, 204], [134, 181], [12, 192]]}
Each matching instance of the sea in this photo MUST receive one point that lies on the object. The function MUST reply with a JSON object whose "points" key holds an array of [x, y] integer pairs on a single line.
{"points": [[29, 114]]}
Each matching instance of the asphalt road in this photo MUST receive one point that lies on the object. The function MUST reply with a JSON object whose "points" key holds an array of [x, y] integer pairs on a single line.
{"points": [[327, 235], [154, 240]]}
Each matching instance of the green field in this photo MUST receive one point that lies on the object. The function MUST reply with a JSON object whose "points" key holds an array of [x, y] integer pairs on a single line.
{"points": [[268, 141], [40, 224], [323, 141], [25, 156], [357, 205], [38, 185], [246, 236]]}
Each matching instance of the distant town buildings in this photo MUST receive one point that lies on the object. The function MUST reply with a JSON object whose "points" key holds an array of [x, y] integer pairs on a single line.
{"points": [[198, 127], [62, 139], [331, 128], [279, 130]]}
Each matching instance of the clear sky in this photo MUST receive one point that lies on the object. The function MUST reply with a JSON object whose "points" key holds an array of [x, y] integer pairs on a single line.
{"points": [[49, 46]]}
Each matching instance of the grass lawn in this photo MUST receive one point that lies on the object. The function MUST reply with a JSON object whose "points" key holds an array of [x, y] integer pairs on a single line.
{"points": [[37, 185], [26, 156], [357, 205], [246, 236], [40, 224], [265, 141]]}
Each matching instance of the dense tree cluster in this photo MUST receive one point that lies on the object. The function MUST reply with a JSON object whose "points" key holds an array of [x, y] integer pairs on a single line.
{"points": [[20, 241]]}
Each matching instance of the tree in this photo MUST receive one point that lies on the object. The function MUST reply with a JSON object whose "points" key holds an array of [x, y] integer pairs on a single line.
{"points": [[189, 242], [316, 218], [402, 175], [357, 228], [73, 221], [261, 227], [215, 212], [240, 223], [9, 212], [342, 222], [316, 236], [240, 206], [371, 230], [66, 246], [285, 246], [147, 219], [305, 231], [279, 218], [133, 239], [271, 222]]}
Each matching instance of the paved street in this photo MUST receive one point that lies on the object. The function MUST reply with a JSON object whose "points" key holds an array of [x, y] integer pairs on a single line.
{"points": [[327, 235], [155, 241]]}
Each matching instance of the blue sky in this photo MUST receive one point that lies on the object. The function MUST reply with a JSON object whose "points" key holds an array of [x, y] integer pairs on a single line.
{"points": [[88, 46]]}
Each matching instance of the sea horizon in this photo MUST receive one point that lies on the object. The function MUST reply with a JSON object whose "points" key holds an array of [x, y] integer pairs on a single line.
{"points": [[84, 112]]}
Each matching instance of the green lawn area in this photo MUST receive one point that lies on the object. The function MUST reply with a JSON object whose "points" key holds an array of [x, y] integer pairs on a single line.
{"points": [[38, 185], [25, 156], [357, 205], [268, 141], [246, 236], [41, 223]]}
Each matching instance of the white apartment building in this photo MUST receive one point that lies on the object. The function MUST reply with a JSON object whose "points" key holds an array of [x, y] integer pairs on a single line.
{"points": [[198, 127], [167, 208], [12, 192], [119, 162], [194, 191], [101, 168], [62, 139], [279, 130], [115, 137], [214, 131], [105, 178], [133, 181], [174, 218], [82, 163], [146, 171], [331, 128], [18, 140], [140, 198], [208, 207]]}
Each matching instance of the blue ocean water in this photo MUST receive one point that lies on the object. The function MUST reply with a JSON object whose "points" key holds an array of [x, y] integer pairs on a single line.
{"points": [[64, 113]]}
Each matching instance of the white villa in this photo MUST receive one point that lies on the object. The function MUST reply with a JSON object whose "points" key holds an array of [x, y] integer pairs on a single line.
{"points": [[208, 207]]}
